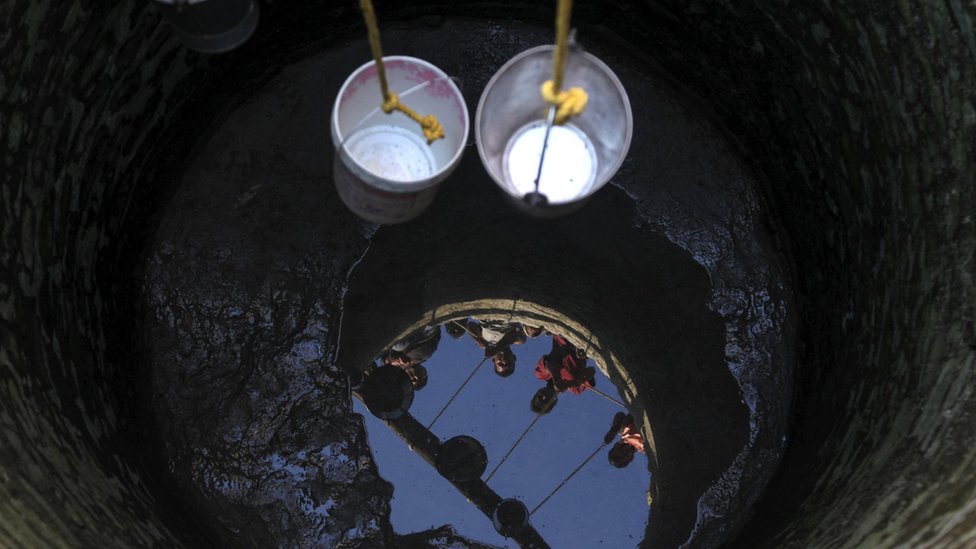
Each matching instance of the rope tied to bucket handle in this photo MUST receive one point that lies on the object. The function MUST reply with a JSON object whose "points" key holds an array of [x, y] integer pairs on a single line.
{"points": [[391, 102], [569, 102]]}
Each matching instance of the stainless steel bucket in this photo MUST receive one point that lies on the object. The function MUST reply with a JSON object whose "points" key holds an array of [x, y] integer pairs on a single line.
{"points": [[582, 155]]}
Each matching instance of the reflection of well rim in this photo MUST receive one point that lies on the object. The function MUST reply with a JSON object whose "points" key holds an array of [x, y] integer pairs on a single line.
{"points": [[530, 313], [534, 314]]}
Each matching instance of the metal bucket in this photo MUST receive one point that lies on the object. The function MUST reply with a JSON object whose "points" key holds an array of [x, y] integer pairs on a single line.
{"points": [[384, 170], [211, 26], [582, 155]]}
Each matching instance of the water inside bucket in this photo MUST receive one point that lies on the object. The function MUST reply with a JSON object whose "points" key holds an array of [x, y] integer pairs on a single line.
{"points": [[570, 166], [391, 152]]}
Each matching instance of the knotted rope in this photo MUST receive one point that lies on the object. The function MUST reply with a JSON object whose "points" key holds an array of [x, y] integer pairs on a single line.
{"points": [[569, 102], [391, 102]]}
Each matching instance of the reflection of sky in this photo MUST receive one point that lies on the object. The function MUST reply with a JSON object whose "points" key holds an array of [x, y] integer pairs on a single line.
{"points": [[601, 506]]}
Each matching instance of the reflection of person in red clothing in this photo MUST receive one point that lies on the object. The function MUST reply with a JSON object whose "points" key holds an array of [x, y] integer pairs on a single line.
{"points": [[631, 440], [565, 366]]}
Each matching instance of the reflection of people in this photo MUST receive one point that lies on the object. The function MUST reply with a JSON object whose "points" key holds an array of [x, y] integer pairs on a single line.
{"points": [[504, 361], [496, 337], [631, 440], [418, 375], [565, 366], [410, 353], [544, 399]]}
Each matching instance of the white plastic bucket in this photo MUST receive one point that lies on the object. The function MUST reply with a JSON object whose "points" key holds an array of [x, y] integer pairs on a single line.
{"points": [[384, 170], [582, 154]]}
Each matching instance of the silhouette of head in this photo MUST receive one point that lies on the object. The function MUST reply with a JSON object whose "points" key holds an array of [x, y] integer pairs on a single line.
{"points": [[454, 329], [621, 454], [418, 376], [504, 361], [544, 400], [532, 331]]}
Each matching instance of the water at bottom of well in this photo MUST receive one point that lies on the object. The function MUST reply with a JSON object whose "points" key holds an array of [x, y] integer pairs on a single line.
{"points": [[600, 506], [391, 152], [570, 162]]}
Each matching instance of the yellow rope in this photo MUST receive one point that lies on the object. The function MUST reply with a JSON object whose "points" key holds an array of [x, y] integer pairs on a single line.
{"points": [[569, 102], [431, 126]]}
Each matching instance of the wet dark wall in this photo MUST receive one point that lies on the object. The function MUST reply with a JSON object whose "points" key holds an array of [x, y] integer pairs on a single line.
{"points": [[859, 115], [862, 117], [86, 93]]}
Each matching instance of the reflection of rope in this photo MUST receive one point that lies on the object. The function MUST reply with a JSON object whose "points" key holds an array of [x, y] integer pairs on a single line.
{"points": [[572, 101], [512, 449], [606, 396], [586, 352], [456, 393], [512, 312], [565, 480], [465, 326], [430, 125]]}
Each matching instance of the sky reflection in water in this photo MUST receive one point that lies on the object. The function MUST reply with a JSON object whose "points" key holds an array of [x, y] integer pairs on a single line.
{"points": [[601, 506]]}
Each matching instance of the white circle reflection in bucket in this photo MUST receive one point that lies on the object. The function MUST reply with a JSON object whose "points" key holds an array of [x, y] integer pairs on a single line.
{"points": [[569, 169], [384, 169], [392, 152], [581, 155]]}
